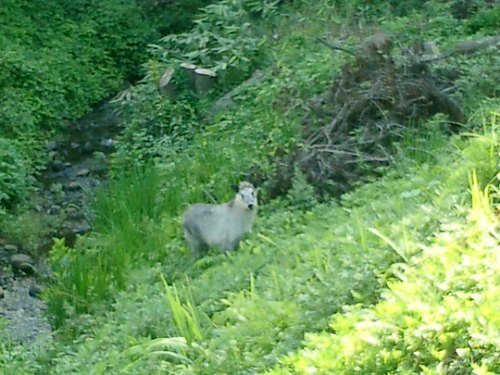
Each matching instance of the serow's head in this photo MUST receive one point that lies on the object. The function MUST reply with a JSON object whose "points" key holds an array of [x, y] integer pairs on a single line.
{"points": [[247, 195]]}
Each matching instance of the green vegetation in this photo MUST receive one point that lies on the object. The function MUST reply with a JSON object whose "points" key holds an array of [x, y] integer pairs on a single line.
{"points": [[399, 275], [440, 317], [59, 59], [438, 314], [14, 172], [223, 39]]}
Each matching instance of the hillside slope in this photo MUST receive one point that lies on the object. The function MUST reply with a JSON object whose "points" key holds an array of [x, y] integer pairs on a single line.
{"points": [[397, 275]]}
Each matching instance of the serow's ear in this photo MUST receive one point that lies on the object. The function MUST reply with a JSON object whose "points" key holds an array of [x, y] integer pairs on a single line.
{"points": [[235, 188]]}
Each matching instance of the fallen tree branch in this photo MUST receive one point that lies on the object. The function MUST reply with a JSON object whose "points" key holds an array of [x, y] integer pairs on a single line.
{"points": [[465, 48], [337, 48]]}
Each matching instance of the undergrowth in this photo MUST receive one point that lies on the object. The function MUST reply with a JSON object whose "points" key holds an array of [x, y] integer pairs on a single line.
{"points": [[244, 313], [393, 276], [438, 315]]}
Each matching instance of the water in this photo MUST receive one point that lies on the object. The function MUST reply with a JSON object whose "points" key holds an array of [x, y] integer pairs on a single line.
{"points": [[78, 166]]}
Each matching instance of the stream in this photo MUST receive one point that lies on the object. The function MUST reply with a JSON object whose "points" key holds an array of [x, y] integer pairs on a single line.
{"points": [[79, 164]]}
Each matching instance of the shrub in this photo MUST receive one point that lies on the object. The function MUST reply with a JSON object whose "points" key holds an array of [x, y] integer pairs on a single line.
{"points": [[223, 39], [438, 314], [15, 174], [154, 127], [440, 318]]}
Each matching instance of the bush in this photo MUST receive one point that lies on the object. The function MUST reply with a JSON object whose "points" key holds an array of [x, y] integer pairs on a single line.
{"points": [[438, 314], [440, 318], [223, 39], [154, 127], [57, 70], [15, 174], [62, 57]]}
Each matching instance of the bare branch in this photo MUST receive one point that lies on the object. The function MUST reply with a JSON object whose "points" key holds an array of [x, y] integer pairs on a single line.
{"points": [[337, 48]]}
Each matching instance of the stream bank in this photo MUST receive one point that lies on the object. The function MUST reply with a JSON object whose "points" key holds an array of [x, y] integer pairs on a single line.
{"points": [[79, 164]]}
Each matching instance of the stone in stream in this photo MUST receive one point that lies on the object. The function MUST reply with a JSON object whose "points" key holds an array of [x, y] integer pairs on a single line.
{"points": [[35, 291], [23, 262], [74, 214], [54, 209], [11, 248], [81, 228], [108, 143], [52, 146], [82, 172], [73, 185], [58, 165], [75, 146], [87, 147], [2, 293]]}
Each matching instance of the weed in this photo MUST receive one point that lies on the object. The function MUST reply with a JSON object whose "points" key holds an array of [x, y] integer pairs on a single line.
{"points": [[186, 316]]}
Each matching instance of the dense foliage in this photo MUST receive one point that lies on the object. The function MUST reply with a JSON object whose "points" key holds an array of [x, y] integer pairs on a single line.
{"points": [[396, 276], [438, 314], [14, 172], [64, 56], [59, 58]]}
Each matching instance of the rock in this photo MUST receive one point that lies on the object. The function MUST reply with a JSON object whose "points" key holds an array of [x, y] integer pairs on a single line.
{"points": [[74, 214], [2, 293], [73, 186], [82, 172], [17, 259], [10, 248], [74, 146], [57, 165], [107, 142], [81, 228], [35, 291], [22, 262], [54, 209], [87, 147], [52, 146]]}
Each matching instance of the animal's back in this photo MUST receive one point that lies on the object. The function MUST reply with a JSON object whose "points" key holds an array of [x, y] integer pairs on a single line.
{"points": [[215, 225], [202, 224], [195, 215]]}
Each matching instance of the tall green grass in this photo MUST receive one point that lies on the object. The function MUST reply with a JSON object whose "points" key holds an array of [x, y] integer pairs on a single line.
{"points": [[186, 316], [127, 199], [126, 217]]}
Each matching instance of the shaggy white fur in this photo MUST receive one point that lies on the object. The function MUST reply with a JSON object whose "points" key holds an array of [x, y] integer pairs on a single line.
{"points": [[221, 225]]}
